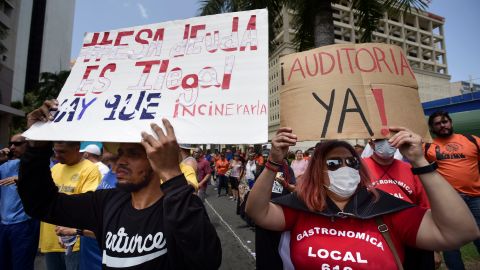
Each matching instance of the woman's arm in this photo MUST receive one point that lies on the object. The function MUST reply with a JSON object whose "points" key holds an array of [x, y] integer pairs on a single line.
{"points": [[449, 224], [258, 207]]}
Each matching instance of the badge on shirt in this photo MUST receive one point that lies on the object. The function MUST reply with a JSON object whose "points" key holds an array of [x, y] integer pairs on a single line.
{"points": [[277, 187]]}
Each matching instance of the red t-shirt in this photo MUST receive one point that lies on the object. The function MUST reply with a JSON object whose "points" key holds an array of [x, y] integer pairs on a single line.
{"points": [[398, 180], [203, 168], [319, 242]]}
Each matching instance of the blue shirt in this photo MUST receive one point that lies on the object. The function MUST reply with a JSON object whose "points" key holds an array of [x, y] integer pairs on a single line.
{"points": [[11, 207], [109, 181], [90, 254]]}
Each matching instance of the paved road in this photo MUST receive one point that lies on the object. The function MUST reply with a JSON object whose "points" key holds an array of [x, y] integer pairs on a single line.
{"points": [[238, 239]]}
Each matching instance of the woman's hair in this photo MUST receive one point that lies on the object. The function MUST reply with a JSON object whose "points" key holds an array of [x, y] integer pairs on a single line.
{"points": [[296, 152], [312, 188]]}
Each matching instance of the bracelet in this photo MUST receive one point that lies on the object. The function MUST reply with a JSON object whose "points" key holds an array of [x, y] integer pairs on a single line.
{"points": [[274, 163], [80, 232], [270, 167], [425, 169]]}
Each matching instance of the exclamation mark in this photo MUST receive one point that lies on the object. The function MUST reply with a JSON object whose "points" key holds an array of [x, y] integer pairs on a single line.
{"points": [[378, 94]]}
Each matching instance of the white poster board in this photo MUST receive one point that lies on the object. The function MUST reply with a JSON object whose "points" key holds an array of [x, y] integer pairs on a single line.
{"points": [[207, 75]]}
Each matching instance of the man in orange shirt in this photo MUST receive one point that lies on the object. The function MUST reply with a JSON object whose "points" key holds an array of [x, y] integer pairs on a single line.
{"points": [[457, 156], [221, 168], [259, 160]]}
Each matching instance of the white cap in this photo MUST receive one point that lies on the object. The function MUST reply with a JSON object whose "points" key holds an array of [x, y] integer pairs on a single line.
{"points": [[187, 146], [92, 149]]}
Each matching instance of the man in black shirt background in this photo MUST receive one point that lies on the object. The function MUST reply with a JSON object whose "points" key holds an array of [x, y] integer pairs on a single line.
{"points": [[141, 224]]}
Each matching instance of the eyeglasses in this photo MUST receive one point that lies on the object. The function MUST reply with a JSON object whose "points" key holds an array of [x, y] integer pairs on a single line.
{"points": [[16, 143], [335, 163]]}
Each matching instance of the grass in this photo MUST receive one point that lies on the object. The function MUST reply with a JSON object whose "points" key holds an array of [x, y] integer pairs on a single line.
{"points": [[470, 256]]}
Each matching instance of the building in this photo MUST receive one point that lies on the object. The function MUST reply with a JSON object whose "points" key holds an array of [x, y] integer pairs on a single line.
{"points": [[464, 87], [39, 40], [421, 36]]}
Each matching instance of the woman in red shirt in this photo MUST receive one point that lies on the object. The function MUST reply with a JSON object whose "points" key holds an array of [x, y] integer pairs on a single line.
{"points": [[336, 220]]}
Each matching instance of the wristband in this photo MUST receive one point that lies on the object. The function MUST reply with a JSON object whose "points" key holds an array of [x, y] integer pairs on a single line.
{"points": [[270, 167], [275, 163], [425, 169], [80, 232]]}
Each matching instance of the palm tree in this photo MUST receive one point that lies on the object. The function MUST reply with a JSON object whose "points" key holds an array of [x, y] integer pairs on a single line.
{"points": [[313, 19], [211, 7], [50, 84]]}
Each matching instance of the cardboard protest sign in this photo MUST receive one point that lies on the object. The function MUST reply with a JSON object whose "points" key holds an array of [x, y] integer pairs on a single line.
{"points": [[207, 75], [349, 91]]}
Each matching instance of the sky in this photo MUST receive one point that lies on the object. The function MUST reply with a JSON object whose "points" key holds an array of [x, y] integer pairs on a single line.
{"points": [[462, 25]]}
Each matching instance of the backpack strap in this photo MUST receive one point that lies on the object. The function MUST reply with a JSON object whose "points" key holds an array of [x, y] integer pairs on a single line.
{"points": [[383, 228], [472, 139], [427, 146]]}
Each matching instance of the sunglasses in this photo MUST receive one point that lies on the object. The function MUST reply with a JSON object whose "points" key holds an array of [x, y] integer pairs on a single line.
{"points": [[335, 163], [16, 143]]}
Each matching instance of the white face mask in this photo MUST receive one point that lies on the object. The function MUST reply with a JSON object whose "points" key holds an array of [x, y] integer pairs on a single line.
{"points": [[384, 150], [344, 181]]}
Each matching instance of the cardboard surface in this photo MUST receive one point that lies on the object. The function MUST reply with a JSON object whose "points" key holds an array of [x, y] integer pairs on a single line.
{"points": [[349, 91]]}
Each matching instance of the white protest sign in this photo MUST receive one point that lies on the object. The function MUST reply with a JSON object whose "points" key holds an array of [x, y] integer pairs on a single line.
{"points": [[207, 75]]}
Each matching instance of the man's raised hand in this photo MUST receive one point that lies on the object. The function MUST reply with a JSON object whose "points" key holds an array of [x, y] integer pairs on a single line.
{"points": [[162, 152], [42, 114]]}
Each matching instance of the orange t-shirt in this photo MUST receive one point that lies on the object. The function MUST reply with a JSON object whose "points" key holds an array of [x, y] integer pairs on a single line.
{"points": [[260, 160], [222, 166], [457, 160]]}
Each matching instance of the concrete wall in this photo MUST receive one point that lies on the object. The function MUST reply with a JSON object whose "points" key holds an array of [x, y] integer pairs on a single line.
{"points": [[21, 54], [432, 86]]}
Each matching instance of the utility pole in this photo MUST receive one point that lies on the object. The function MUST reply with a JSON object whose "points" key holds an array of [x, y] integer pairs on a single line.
{"points": [[470, 79]]}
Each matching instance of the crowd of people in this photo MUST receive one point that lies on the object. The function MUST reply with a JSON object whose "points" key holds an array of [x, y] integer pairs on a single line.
{"points": [[397, 204]]}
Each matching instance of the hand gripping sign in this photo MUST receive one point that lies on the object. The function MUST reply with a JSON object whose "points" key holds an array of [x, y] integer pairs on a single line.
{"points": [[207, 75], [349, 91]]}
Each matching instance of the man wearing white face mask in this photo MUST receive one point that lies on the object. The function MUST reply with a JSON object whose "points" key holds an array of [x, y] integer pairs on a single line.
{"points": [[394, 176], [368, 151]]}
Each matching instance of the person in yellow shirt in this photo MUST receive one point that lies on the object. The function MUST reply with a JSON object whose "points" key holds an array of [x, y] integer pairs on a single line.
{"points": [[188, 164], [72, 175]]}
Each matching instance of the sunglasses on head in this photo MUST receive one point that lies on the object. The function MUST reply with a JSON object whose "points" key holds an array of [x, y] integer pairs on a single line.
{"points": [[335, 163], [16, 143]]}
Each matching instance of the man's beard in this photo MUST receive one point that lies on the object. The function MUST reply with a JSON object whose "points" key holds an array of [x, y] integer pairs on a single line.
{"points": [[134, 187], [444, 135]]}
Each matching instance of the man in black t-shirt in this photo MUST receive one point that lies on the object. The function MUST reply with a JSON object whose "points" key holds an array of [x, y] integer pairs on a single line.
{"points": [[141, 224]]}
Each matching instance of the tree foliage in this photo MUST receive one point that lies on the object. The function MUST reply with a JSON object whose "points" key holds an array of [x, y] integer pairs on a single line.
{"points": [[211, 7], [313, 19], [48, 87]]}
